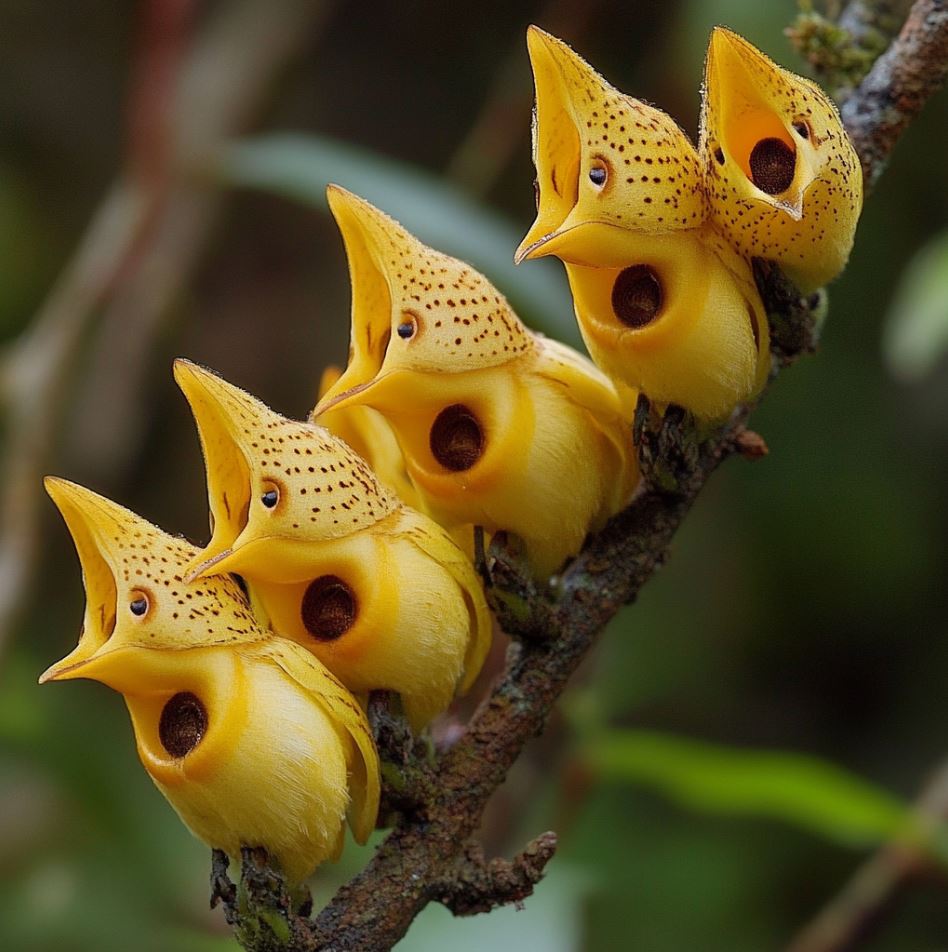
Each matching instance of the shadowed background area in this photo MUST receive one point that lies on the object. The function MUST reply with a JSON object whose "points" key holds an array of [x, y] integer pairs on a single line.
{"points": [[162, 166]]}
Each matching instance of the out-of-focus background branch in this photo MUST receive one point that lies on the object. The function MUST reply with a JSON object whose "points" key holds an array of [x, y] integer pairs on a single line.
{"points": [[803, 611]]}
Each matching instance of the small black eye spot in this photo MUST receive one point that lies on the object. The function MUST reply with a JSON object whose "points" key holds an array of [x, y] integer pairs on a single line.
{"points": [[801, 128], [719, 155], [598, 175], [270, 498], [138, 606], [406, 329]]}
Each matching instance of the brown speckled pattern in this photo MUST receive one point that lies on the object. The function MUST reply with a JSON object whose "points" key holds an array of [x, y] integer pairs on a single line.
{"points": [[813, 248], [460, 319], [326, 489], [654, 181], [144, 559]]}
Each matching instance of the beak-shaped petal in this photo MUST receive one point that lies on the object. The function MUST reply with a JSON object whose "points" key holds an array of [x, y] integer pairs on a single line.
{"points": [[784, 182], [69, 667], [602, 156], [104, 665]]}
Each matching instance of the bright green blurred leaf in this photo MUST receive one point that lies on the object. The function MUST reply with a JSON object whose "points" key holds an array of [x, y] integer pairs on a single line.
{"points": [[916, 333], [300, 167], [797, 789]]}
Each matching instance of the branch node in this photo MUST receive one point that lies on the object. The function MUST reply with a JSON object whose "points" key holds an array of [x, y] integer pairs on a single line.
{"points": [[479, 885], [522, 609]]}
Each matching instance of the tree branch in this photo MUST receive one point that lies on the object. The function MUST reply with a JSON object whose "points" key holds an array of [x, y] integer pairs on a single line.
{"points": [[427, 856]]}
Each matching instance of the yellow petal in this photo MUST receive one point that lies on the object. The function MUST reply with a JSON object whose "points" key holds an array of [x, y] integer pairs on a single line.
{"points": [[784, 181], [602, 156], [135, 588], [370, 435], [394, 607], [348, 717], [414, 308], [252, 746], [269, 477], [667, 316]]}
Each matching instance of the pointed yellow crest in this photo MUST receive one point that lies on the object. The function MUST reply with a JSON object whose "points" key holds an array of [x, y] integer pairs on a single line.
{"points": [[784, 182], [602, 156], [256, 744], [270, 477], [677, 316], [413, 308], [134, 575]]}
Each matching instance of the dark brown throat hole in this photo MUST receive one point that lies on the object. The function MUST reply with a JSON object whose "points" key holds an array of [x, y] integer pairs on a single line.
{"points": [[637, 295], [456, 438], [772, 164], [329, 608], [183, 724]]}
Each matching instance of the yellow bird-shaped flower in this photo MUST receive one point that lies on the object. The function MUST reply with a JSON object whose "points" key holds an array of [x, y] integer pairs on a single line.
{"points": [[376, 590], [500, 427], [249, 737], [602, 156], [783, 179], [676, 316]]}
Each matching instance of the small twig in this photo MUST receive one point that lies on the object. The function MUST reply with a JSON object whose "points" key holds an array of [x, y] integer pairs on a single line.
{"points": [[875, 888], [478, 885]]}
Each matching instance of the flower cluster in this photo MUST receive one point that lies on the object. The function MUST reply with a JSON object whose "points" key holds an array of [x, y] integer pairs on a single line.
{"points": [[340, 558], [657, 237]]}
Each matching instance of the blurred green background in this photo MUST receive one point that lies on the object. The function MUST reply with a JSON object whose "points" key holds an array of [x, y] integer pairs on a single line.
{"points": [[805, 606]]}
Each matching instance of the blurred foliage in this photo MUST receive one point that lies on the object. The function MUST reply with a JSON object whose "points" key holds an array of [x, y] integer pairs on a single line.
{"points": [[800, 790], [441, 215], [805, 606], [916, 337]]}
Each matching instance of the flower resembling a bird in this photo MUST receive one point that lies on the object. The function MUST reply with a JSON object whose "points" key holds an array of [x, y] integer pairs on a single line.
{"points": [[250, 739], [499, 427], [664, 305], [376, 590], [784, 181]]}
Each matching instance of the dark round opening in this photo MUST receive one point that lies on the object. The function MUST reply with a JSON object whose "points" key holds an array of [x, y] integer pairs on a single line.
{"points": [[456, 438], [637, 296], [329, 608], [772, 164], [183, 724]]}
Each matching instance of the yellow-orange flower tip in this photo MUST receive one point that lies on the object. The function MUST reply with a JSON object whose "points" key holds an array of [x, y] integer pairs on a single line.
{"points": [[602, 156], [499, 427], [784, 181], [254, 745], [136, 591], [270, 476]]}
